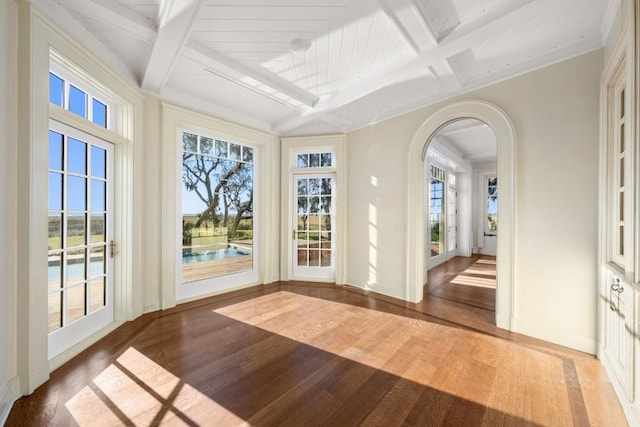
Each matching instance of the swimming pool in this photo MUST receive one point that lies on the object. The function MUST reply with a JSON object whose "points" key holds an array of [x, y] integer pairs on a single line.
{"points": [[190, 257]]}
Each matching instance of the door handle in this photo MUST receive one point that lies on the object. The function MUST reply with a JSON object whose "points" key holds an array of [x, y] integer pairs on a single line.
{"points": [[112, 249]]}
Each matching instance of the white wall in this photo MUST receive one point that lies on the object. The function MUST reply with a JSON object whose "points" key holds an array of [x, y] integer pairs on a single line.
{"points": [[556, 120], [8, 158]]}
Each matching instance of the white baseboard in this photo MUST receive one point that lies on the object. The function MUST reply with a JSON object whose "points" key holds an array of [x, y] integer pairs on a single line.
{"points": [[9, 394]]}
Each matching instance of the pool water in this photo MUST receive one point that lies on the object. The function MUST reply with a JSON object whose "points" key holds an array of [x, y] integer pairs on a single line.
{"points": [[211, 255]]}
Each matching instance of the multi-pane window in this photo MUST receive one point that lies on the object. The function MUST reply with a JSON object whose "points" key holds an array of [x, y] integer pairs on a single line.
{"points": [[436, 209], [77, 239], [315, 160], [70, 97], [313, 232], [491, 223], [217, 207]]}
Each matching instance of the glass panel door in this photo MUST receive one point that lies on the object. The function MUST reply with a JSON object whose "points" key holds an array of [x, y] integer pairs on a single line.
{"points": [[452, 222], [80, 200], [313, 228]]}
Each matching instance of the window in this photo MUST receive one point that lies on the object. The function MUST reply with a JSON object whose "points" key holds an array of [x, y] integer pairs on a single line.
{"points": [[70, 97], [217, 207], [491, 223], [315, 160], [436, 210]]}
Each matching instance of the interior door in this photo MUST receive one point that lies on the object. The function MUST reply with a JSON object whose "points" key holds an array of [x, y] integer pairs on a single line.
{"points": [[314, 226], [80, 245]]}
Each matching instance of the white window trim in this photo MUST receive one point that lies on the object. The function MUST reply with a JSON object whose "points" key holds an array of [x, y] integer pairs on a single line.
{"points": [[175, 121], [38, 39], [291, 147]]}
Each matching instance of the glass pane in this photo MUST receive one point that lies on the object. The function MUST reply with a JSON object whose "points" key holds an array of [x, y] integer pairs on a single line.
{"points": [[303, 257], [99, 113], [55, 311], [303, 161], [54, 271], [314, 258], [303, 187], [314, 185], [96, 261], [98, 162], [303, 204], [55, 231], [98, 232], [77, 193], [314, 160], [221, 149], [206, 146], [314, 204], [76, 156], [98, 190], [622, 138], [75, 303], [622, 104], [77, 101], [56, 90], [621, 239], [55, 150], [75, 267], [76, 230], [621, 206], [55, 191], [326, 186], [234, 152], [621, 184], [314, 240], [97, 294], [325, 205], [247, 154], [325, 224], [302, 222], [303, 239], [325, 258], [326, 160], [326, 240], [190, 142]]}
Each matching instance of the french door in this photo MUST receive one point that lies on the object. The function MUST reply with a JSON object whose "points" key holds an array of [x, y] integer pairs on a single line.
{"points": [[80, 245], [314, 226]]}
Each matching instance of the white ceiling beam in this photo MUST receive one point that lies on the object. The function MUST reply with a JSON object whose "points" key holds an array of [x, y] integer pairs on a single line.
{"points": [[110, 12], [175, 20], [230, 68], [454, 43], [107, 11]]}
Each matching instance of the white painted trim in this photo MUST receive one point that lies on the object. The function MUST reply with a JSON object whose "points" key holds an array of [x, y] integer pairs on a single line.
{"points": [[609, 19], [290, 147], [37, 38], [8, 395], [503, 128], [175, 118]]}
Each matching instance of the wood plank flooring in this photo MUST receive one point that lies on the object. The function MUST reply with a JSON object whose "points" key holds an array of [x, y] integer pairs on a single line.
{"points": [[306, 354]]}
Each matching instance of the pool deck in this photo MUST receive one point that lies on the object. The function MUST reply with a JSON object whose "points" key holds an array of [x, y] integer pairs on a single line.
{"points": [[219, 267]]}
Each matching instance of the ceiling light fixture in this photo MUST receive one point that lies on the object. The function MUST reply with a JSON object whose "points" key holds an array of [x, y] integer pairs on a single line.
{"points": [[300, 45]]}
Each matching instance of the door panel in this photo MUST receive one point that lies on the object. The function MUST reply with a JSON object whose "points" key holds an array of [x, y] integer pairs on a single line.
{"points": [[80, 270], [314, 226]]}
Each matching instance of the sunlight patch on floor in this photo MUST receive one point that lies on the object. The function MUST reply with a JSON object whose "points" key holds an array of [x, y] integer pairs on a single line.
{"points": [[377, 339], [137, 391], [479, 282]]}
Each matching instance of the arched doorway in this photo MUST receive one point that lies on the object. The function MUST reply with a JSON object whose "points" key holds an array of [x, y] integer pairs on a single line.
{"points": [[501, 125]]}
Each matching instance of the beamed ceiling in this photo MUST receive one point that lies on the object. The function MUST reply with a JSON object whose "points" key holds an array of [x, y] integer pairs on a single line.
{"points": [[367, 60]]}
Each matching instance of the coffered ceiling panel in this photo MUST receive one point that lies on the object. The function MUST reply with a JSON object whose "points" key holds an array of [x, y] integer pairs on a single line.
{"points": [[300, 66]]}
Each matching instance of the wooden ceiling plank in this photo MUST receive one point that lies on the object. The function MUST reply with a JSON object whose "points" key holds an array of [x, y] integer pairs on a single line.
{"points": [[454, 43], [111, 13]]}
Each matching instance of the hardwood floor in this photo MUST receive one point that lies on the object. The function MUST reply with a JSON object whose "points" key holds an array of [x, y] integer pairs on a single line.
{"points": [[315, 354]]}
